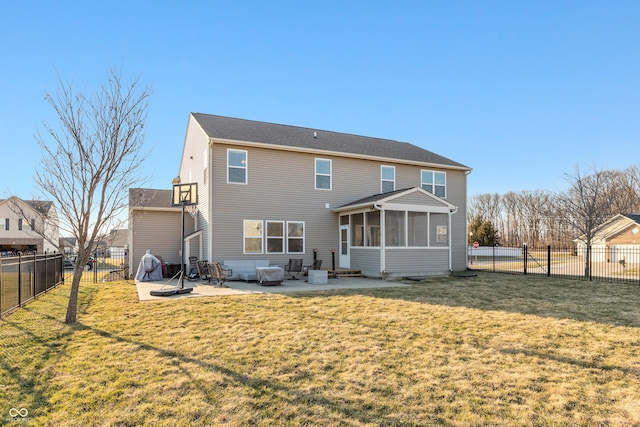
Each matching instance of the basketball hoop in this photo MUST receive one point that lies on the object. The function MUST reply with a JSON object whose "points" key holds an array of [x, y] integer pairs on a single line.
{"points": [[191, 210]]}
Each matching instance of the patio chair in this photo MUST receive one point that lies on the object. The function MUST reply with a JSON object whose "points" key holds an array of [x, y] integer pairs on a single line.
{"points": [[203, 270], [193, 272], [294, 267], [219, 273], [315, 266]]}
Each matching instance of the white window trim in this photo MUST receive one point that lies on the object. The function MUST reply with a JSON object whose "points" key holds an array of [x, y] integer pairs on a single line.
{"points": [[433, 179], [246, 166], [267, 237], [382, 180], [245, 237], [303, 238], [330, 174]]}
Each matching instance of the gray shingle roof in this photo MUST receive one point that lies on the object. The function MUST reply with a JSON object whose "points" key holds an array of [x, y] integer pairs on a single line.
{"points": [[149, 198], [42, 206], [633, 217], [316, 139], [374, 198]]}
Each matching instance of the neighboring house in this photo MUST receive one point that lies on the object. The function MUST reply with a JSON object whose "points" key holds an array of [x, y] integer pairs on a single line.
{"points": [[69, 245], [618, 239], [19, 221], [275, 192], [117, 243], [154, 225]]}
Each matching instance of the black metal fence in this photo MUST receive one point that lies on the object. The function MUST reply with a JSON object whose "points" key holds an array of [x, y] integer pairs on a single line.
{"points": [[615, 263], [101, 267], [24, 277]]}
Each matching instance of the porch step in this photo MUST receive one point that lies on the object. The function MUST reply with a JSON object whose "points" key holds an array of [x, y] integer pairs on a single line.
{"points": [[345, 273]]}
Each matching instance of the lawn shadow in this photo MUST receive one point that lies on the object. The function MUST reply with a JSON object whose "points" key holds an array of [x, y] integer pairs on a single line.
{"points": [[349, 408], [592, 363], [42, 333]]}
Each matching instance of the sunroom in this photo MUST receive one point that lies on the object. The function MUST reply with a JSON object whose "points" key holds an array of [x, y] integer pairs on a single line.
{"points": [[401, 233]]}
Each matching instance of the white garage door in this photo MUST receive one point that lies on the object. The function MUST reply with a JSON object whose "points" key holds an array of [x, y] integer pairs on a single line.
{"points": [[630, 253]]}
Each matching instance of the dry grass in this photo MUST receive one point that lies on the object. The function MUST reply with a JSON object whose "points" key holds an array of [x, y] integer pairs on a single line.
{"points": [[495, 350]]}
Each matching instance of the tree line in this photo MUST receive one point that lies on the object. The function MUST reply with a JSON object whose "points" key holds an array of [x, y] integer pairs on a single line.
{"points": [[540, 218]]}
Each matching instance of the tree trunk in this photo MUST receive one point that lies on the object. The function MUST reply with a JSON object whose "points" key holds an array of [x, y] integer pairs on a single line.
{"points": [[72, 307]]}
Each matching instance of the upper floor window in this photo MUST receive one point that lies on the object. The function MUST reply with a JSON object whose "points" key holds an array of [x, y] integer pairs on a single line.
{"points": [[323, 174], [388, 179], [434, 182], [237, 166], [4, 224], [26, 225]]}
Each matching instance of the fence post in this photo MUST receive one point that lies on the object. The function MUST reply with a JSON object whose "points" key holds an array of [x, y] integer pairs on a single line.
{"points": [[494, 257], [35, 271], [524, 251], [1, 292], [19, 280], [549, 260], [589, 261], [95, 267]]}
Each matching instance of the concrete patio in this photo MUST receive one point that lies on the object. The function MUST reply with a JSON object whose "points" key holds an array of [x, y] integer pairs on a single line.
{"points": [[203, 289]]}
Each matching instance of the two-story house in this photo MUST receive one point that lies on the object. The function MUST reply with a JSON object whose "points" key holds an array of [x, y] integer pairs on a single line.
{"points": [[28, 225], [275, 192]]}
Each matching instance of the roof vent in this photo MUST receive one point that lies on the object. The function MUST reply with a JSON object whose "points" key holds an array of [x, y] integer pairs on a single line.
{"points": [[315, 134]]}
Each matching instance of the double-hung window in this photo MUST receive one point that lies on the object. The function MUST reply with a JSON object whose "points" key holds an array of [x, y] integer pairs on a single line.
{"points": [[323, 174], [236, 166], [295, 237], [4, 224], [275, 237], [252, 236], [434, 182], [387, 178]]}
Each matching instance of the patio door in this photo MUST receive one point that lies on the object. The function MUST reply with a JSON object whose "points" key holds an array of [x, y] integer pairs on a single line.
{"points": [[344, 260]]}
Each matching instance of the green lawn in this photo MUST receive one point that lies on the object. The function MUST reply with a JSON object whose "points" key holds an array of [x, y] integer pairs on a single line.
{"points": [[491, 350]]}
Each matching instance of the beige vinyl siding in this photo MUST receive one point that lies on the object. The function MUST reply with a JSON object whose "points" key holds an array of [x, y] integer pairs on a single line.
{"points": [[195, 145], [418, 262], [158, 231], [456, 191], [367, 260], [457, 194], [281, 187], [417, 199]]}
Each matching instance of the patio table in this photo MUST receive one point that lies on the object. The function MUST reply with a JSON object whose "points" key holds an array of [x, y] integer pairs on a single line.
{"points": [[269, 276]]}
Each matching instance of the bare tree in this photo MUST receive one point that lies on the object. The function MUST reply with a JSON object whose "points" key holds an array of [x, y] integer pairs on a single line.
{"points": [[625, 190], [585, 206], [91, 159]]}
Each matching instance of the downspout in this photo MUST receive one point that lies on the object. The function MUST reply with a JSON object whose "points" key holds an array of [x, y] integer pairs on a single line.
{"points": [[382, 239], [466, 220], [450, 238], [209, 190]]}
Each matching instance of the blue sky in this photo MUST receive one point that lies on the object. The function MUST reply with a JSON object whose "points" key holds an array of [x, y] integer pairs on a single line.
{"points": [[521, 92]]}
